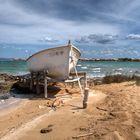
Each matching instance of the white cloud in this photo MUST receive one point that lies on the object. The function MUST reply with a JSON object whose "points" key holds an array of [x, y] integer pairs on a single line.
{"points": [[133, 36], [97, 38], [48, 39]]}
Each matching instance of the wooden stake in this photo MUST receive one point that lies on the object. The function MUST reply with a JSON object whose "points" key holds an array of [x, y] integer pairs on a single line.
{"points": [[85, 99], [85, 81], [45, 86]]}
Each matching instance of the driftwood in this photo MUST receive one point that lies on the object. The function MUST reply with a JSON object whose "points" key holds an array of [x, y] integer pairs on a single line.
{"points": [[54, 103], [83, 135], [101, 109]]}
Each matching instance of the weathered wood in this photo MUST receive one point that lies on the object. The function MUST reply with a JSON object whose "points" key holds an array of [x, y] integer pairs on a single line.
{"points": [[85, 98], [45, 86], [85, 80], [79, 74], [37, 83], [84, 135], [31, 81]]}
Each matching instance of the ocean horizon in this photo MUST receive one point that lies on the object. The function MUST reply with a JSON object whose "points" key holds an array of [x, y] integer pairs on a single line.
{"points": [[93, 68]]}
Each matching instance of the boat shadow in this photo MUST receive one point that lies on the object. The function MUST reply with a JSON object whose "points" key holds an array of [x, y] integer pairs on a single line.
{"points": [[19, 90]]}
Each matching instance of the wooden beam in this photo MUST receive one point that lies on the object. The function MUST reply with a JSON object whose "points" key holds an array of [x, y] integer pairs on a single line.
{"points": [[37, 83], [31, 82], [79, 74]]}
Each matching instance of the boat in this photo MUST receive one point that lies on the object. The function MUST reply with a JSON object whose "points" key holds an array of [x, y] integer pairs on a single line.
{"points": [[58, 62]]}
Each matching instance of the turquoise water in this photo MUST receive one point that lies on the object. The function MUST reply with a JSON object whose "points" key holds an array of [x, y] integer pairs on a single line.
{"points": [[102, 68], [13, 67], [93, 69]]}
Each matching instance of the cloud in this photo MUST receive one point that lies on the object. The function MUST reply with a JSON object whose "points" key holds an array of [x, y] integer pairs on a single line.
{"points": [[48, 39], [82, 10], [85, 21], [133, 36], [97, 38]]}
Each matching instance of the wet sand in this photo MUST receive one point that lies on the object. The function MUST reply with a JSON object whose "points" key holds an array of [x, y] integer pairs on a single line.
{"points": [[113, 113]]}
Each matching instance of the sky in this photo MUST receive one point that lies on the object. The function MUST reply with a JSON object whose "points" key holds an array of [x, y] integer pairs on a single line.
{"points": [[99, 28]]}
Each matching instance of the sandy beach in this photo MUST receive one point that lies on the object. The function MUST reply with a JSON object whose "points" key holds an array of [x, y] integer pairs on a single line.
{"points": [[113, 113], [69, 70]]}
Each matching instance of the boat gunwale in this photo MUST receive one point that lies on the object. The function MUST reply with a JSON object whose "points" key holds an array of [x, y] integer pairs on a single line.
{"points": [[53, 49]]}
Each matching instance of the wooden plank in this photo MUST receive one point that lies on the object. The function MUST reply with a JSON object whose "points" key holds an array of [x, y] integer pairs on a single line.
{"points": [[72, 80], [79, 74]]}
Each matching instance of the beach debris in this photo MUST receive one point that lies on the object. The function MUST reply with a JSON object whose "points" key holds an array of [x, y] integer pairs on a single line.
{"points": [[67, 95], [41, 107], [83, 135], [59, 95], [113, 136], [101, 109], [55, 103], [83, 129], [50, 125], [47, 129], [2, 101]]}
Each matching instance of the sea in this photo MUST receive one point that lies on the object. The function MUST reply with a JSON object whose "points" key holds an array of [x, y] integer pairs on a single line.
{"points": [[93, 68]]}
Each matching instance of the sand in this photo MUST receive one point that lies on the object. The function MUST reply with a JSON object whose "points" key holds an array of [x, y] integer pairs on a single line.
{"points": [[113, 113]]}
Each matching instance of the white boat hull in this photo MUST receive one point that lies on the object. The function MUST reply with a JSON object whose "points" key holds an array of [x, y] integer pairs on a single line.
{"points": [[58, 62]]}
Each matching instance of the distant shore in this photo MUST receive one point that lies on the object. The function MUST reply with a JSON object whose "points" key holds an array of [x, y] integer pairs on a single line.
{"points": [[113, 59], [84, 59]]}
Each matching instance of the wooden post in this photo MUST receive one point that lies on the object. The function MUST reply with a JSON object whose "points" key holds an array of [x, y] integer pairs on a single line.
{"points": [[86, 92], [85, 99], [85, 80], [31, 82], [37, 83], [45, 86]]}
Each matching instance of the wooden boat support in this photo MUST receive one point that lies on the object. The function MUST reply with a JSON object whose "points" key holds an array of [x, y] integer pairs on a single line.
{"points": [[36, 78], [81, 74]]}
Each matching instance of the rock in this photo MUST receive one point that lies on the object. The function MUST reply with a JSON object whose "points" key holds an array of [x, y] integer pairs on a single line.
{"points": [[50, 125], [46, 130]]}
